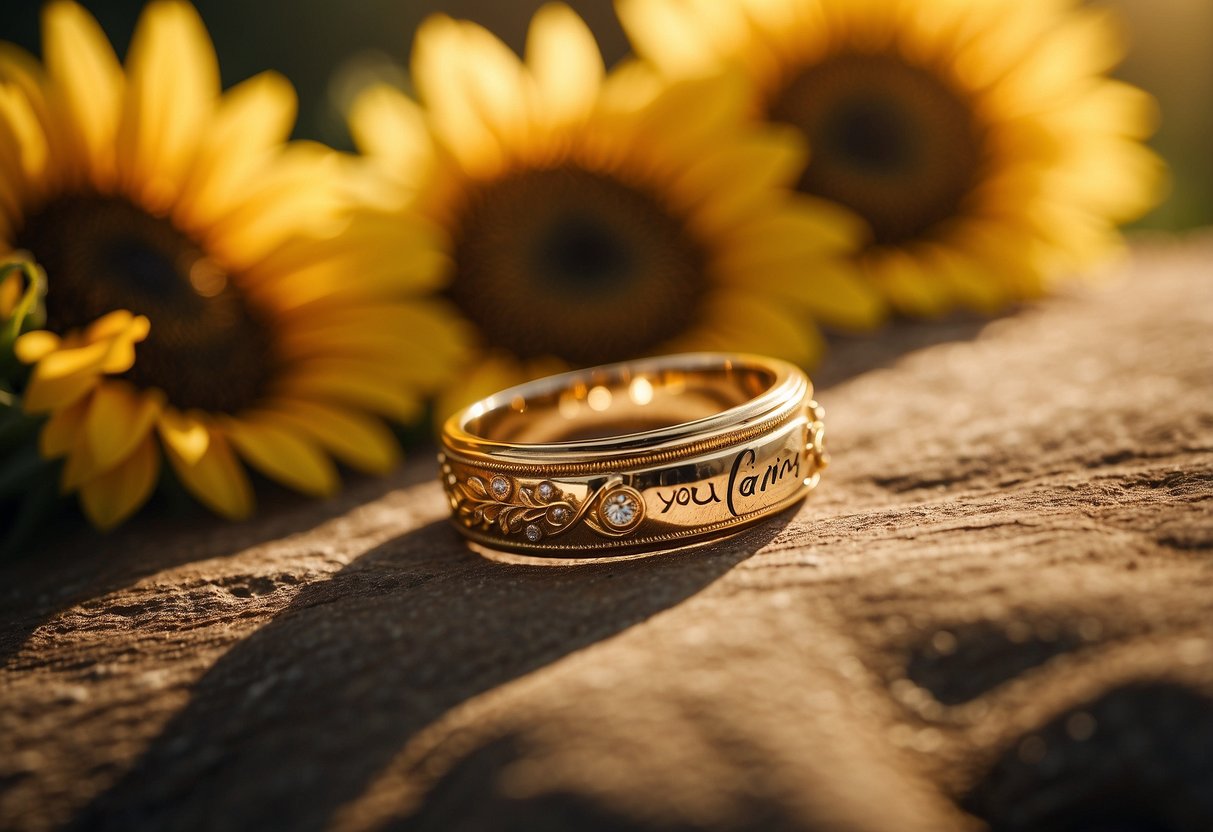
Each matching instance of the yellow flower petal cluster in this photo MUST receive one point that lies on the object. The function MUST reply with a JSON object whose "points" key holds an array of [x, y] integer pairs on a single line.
{"points": [[201, 294], [103, 429], [593, 216], [981, 143]]}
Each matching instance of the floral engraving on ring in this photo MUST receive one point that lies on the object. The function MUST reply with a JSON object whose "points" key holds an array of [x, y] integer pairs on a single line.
{"points": [[542, 509]]}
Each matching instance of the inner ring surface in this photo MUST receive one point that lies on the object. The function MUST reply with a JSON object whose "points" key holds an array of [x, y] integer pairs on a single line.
{"points": [[616, 401]]}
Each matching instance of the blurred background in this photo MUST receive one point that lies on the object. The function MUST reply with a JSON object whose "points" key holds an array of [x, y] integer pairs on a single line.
{"points": [[329, 48]]}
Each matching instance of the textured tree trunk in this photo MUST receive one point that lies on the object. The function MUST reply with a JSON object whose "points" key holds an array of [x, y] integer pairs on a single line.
{"points": [[995, 611]]}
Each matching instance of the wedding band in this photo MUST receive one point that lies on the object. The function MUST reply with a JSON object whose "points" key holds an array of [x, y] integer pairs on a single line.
{"points": [[633, 457]]}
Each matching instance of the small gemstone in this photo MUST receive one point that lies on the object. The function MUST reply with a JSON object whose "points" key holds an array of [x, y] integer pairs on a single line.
{"points": [[546, 491], [620, 509], [560, 514], [500, 487], [533, 533]]}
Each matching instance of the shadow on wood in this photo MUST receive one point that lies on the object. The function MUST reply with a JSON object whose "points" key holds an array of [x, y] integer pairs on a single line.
{"points": [[87, 566], [297, 719]]}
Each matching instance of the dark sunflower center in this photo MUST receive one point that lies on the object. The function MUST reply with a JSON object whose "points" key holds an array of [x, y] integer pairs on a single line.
{"points": [[893, 142], [206, 348], [574, 264]]}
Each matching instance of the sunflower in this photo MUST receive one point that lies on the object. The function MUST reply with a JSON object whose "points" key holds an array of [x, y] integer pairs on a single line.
{"points": [[591, 217], [980, 142], [207, 297]]}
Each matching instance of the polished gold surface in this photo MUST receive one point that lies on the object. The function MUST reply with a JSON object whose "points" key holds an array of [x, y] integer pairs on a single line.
{"points": [[634, 457]]}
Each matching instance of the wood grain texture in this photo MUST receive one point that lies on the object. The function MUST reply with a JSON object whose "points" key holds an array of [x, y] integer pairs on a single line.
{"points": [[993, 614]]}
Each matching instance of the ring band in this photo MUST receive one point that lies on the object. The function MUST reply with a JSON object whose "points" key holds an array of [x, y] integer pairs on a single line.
{"points": [[633, 457]]}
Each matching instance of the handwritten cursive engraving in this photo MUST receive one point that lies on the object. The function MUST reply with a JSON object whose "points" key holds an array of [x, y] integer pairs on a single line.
{"points": [[747, 480], [684, 496]]}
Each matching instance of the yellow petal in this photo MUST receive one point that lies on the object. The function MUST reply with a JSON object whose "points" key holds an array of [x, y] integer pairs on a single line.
{"points": [[627, 89], [242, 136], [393, 254], [85, 70], [62, 377], [26, 73], [283, 455], [1001, 36], [420, 374], [775, 27], [119, 418], [387, 124], [79, 467], [63, 374], [1115, 178], [62, 430], [732, 183], [1009, 255], [972, 285], [800, 225], [354, 390], [692, 115], [121, 354], [12, 181], [109, 325], [118, 332], [907, 283], [1088, 41], [1110, 108], [185, 435], [32, 347], [498, 87], [25, 134], [564, 60], [216, 479], [753, 324], [838, 295], [833, 291], [172, 86], [117, 494], [384, 333], [439, 55], [295, 196], [663, 33], [360, 441]]}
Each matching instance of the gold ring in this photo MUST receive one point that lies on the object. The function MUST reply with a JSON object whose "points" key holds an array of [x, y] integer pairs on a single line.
{"points": [[633, 457]]}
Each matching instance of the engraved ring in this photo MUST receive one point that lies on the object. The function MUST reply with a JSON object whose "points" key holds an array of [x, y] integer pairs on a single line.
{"points": [[634, 457]]}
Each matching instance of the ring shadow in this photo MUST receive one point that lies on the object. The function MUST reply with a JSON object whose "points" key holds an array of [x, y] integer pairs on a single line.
{"points": [[853, 354], [299, 718], [86, 566]]}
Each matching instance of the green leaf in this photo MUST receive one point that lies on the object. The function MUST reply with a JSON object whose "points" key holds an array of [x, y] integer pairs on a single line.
{"points": [[29, 313]]}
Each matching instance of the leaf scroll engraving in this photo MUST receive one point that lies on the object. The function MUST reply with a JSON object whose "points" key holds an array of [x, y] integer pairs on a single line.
{"points": [[540, 510]]}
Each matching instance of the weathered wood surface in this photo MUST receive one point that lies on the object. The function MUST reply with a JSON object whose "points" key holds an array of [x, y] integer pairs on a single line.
{"points": [[998, 606]]}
